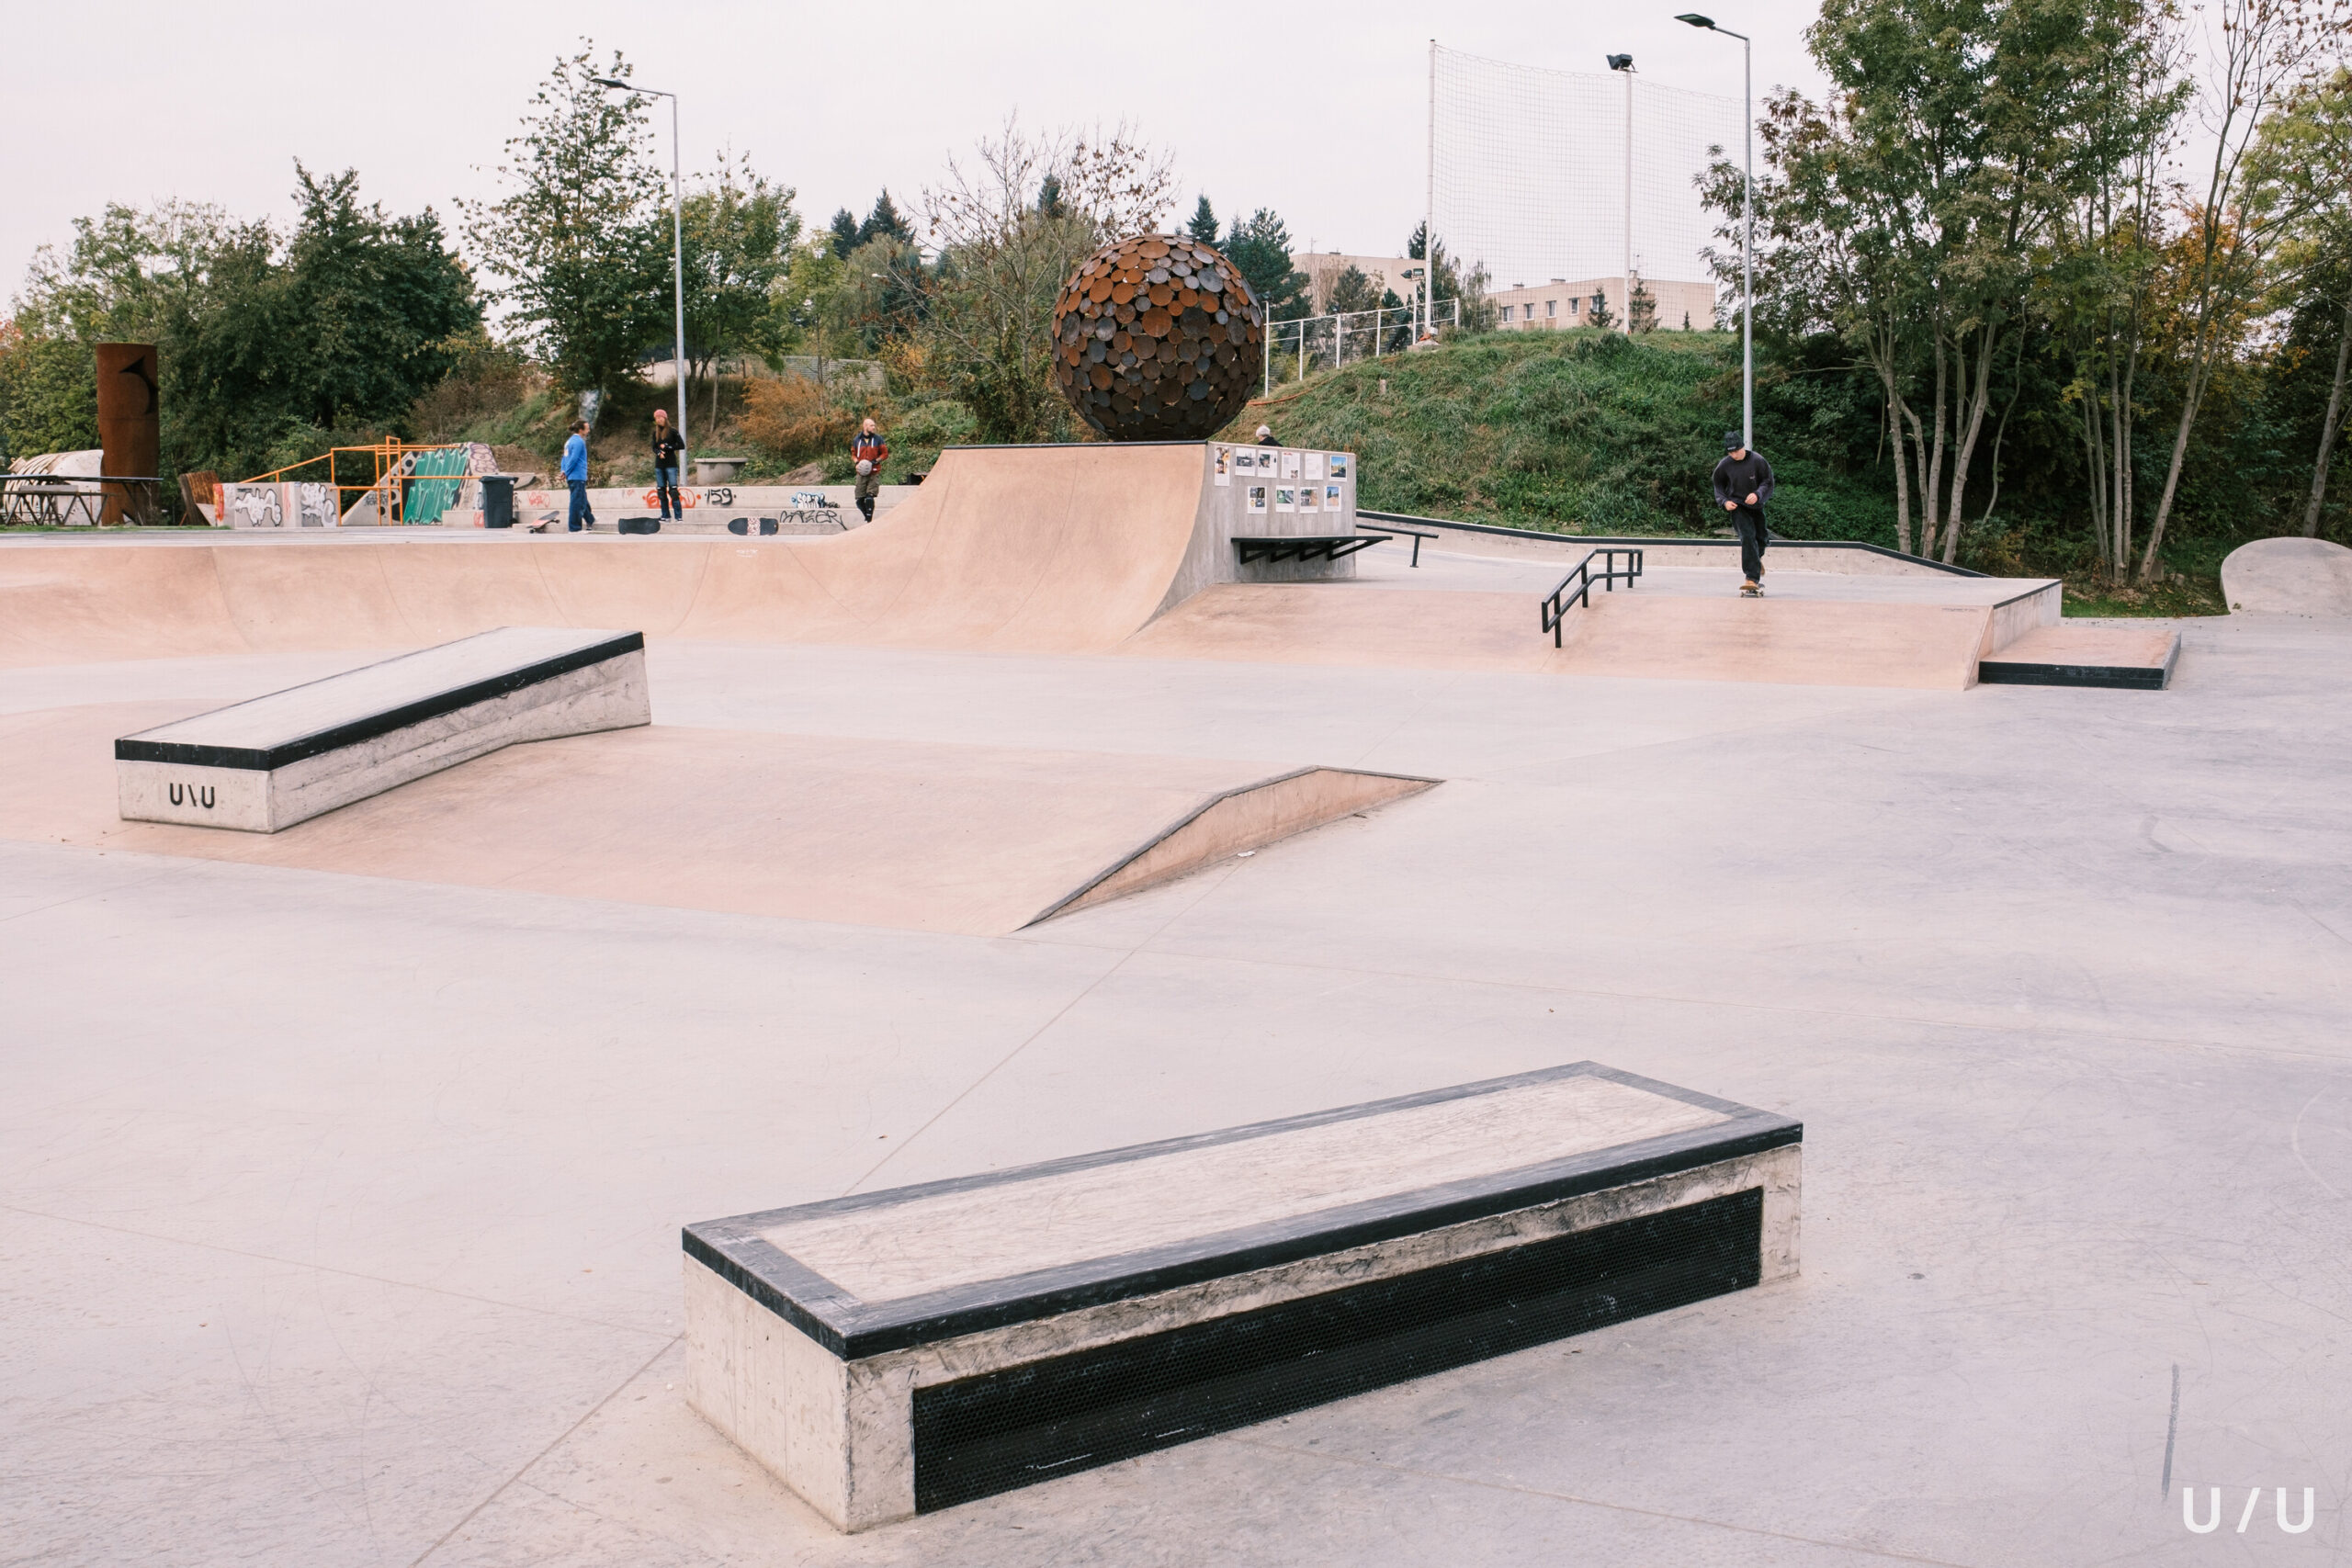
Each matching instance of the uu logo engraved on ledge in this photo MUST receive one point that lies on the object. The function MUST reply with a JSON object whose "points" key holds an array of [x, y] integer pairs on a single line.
{"points": [[2212, 1520], [196, 795]]}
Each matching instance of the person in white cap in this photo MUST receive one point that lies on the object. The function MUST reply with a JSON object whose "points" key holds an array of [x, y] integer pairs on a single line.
{"points": [[1266, 436]]}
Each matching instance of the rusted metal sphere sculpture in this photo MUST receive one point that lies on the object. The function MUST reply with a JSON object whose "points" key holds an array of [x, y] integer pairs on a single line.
{"points": [[1158, 338]]}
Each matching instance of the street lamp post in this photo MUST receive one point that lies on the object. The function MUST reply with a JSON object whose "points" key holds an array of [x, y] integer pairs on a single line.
{"points": [[677, 236], [1623, 64], [1748, 224]]}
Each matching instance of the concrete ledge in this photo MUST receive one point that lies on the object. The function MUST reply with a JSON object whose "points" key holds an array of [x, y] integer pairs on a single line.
{"points": [[901, 1351], [2129, 658], [266, 764]]}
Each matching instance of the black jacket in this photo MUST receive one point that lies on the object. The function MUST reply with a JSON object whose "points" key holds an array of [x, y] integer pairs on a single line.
{"points": [[1737, 478], [666, 447]]}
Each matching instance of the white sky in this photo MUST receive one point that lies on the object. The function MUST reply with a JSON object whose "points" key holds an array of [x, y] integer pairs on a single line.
{"points": [[1319, 114]]}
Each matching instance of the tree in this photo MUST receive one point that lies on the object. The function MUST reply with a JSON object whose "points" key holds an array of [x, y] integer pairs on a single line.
{"points": [[1050, 203], [580, 242], [1259, 247], [378, 307], [808, 298], [1641, 307], [1202, 227], [883, 222], [844, 233], [985, 335], [1472, 311], [1598, 315], [2309, 144], [265, 351], [1352, 291], [2267, 48], [2097, 291], [1908, 213], [739, 232]]}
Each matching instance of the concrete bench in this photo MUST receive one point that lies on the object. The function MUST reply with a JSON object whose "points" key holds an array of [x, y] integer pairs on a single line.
{"points": [[275, 760], [901, 1351]]}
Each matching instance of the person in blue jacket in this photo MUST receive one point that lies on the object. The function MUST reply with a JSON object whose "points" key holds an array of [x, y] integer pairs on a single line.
{"points": [[575, 474]]}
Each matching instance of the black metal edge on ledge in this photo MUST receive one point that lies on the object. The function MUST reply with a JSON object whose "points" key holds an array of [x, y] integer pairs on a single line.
{"points": [[132, 749], [1665, 540], [2116, 677], [852, 1328]]}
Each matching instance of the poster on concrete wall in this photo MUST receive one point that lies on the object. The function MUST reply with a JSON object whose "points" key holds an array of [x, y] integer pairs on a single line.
{"points": [[1338, 464], [1314, 461], [1331, 499], [1258, 499], [1306, 498], [1290, 465], [1224, 465], [1286, 498]]}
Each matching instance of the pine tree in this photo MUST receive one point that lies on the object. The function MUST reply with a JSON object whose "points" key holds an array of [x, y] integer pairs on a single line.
{"points": [[1259, 246], [883, 220], [1050, 202], [1202, 227], [844, 228]]}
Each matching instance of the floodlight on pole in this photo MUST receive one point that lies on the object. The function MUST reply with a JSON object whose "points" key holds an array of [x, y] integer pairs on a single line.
{"points": [[1624, 63], [1748, 223], [677, 234]]}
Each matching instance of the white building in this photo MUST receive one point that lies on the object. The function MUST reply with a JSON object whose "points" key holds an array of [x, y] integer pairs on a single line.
{"points": [[1565, 303]]}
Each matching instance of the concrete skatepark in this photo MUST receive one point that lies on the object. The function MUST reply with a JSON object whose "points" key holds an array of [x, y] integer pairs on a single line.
{"points": [[347, 1162]]}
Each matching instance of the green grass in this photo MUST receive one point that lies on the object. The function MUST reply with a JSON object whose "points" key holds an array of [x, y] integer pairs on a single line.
{"points": [[1580, 431]]}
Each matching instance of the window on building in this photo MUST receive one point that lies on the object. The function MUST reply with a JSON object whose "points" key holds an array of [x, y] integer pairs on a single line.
{"points": [[1551, 307]]}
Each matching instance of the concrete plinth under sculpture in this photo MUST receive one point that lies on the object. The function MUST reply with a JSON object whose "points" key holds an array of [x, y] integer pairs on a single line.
{"points": [[268, 764], [901, 1351]]}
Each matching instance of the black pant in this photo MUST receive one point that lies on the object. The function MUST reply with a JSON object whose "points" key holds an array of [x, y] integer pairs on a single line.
{"points": [[665, 490], [1749, 521]]}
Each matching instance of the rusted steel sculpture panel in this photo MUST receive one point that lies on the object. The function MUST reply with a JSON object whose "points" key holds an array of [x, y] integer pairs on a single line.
{"points": [[131, 427], [1158, 338]]}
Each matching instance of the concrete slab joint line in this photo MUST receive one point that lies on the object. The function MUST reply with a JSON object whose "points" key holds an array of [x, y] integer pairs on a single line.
{"points": [[1244, 819], [266, 764], [901, 1351]]}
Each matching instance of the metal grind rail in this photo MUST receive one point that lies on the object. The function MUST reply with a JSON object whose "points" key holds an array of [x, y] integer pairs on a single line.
{"points": [[1577, 587]]}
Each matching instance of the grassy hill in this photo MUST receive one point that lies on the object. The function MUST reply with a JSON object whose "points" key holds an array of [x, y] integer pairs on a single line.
{"points": [[1586, 432]]}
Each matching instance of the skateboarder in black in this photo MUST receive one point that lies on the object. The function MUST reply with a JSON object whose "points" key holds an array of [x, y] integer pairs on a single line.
{"points": [[1743, 484]]}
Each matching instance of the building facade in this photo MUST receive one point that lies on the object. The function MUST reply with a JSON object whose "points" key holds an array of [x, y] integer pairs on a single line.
{"points": [[1565, 303]]}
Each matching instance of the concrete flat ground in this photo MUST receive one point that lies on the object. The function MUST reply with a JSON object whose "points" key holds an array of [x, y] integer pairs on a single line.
{"points": [[339, 1213]]}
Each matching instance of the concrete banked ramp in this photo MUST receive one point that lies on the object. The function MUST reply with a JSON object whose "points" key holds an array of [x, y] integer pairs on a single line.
{"points": [[1047, 549], [2289, 577]]}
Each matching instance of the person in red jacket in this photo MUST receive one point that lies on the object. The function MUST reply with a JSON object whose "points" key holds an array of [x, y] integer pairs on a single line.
{"points": [[867, 452]]}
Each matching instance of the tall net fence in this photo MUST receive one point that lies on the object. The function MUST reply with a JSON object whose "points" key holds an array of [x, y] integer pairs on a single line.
{"points": [[1528, 173]]}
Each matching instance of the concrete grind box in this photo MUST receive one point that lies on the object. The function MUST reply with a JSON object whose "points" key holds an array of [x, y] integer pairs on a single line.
{"points": [[267, 765], [897, 1352]]}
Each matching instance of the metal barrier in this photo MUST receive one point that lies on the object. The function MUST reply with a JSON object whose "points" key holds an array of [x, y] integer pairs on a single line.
{"points": [[1555, 607], [78, 501]]}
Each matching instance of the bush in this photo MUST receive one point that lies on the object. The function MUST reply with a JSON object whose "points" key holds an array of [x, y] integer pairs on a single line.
{"points": [[794, 419]]}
